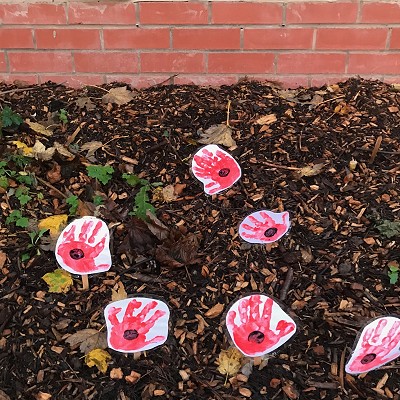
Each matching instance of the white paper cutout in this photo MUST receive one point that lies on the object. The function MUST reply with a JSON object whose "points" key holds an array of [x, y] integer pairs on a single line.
{"points": [[378, 344], [264, 226], [257, 325], [83, 247], [215, 168], [136, 324]]}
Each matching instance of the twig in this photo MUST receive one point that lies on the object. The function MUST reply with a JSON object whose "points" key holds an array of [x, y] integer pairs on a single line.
{"points": [[341, 369], [98, 87], [376, 149], [228, 112], [279, 166], [165, 81], [51, 187], [75, 133], [286, 284], [29, 88], [146, 279]]}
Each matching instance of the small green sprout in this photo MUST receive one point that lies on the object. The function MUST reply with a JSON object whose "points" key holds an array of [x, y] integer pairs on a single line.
{"points": [[393, 272], [17, 218], [103, 173], [73, 203]]}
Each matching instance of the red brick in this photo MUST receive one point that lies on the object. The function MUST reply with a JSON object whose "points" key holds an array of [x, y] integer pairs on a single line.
{"points": [[112, 62], [377, 63], [172, 62], [16, 38], [26, 78], [3, 62], [207, 39], [351, 39], [318, 81], [281, 38], [32, 14], [68, 39], [74, 81], [381, 13], [136, 38], [101, 14], [246, 63], [40, 61], [395, 39], [246, 13], [140, 81], [206, 80], [321, 13], [308, 63], [167, 13]]}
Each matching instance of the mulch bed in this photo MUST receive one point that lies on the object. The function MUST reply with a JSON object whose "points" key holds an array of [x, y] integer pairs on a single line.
{"points": [[330, 270]]}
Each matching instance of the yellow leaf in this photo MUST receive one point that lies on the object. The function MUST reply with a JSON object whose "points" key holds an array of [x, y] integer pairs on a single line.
{"points": [[119, 294], [59, 281], [25, 150], [55, 223], [229, 361], [99, 358]]}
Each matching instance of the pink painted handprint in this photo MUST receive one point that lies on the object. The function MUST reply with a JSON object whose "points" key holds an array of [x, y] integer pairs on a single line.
{"points": [[378, 344], [264, 226], [136, 324], [83, 247], [215, 168], [258, 325]]}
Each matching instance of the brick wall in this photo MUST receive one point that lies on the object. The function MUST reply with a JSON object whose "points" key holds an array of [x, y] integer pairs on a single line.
{"points": [[216, 42]]}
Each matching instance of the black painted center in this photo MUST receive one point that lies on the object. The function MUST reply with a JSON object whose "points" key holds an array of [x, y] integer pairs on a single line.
{"points": [[270, 232], [368, 358], [256, 337], [131, 334], [224, 172], [76, 254]]}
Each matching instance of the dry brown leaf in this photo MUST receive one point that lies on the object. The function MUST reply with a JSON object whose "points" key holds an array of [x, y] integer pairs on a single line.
{"points": [[88, 340], [309, 170], [54, 175], [91, 147], [61, 149], [218, 134], [3, 258], [4, 396], [116, 373], [229, 361], [214, 311], [119, 293], [119, 95], [39, 128], [168, 193], [178, 188], [85, 102], [267, 119], [40, 152]]}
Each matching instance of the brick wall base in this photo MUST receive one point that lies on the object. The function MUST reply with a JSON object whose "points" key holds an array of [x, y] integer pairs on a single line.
{"points": [[207, 43]]}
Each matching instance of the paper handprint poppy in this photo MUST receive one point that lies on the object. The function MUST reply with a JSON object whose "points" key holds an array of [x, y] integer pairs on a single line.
{"points": [[215, 168], [378, 343], [264, 226], [83, 247], [257, 325], [136, 324]]}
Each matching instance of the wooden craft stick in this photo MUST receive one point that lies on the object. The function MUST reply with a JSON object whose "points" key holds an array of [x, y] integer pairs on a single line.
{"points": [[85, 282]]}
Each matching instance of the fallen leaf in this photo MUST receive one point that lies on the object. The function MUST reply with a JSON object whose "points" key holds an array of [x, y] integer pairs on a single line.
{"points": [[156, 227], [85, 102], [245, 392], [99, 358], [40, 152], [3, 258], [91, 147], [4, 396], [116, 373], [267, 119], [290, 390], [229, 361], [217, 134], [168, 193], [342, 108], [133, 377], [119, 95], [119, 294], [42, 396], [214, 311], [55, 223], [39, 128], [309, 170], [88, 340], [23, 148], [61, 149], [59, 281], [54, 175]]}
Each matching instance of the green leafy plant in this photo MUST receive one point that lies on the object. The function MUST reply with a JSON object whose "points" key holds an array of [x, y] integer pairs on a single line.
{"points": [[73, 203], [22, 195], [3, 175], [63, 116], [34, 237], [393, 272], [98, 200], [103, 173], [17, 218], [19, 160], [9, 118], [25, 178], [389, 229], [134, 180]]}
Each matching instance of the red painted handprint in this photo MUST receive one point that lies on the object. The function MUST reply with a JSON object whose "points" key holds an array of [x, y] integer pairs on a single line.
{"points": [[144, 324], [258, 330], [378, 344], [264, 226], [82, 247], [215, 168]]}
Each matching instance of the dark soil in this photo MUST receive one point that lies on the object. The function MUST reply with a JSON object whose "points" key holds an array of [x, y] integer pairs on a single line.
{"points": [[330, 270]]}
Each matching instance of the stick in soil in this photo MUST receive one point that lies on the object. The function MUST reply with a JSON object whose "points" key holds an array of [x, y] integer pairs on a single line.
{"points": [[286, 284], [85, 282]]}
